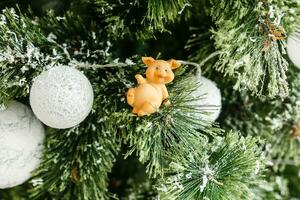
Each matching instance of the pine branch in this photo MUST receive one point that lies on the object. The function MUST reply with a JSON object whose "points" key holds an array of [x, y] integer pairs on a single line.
{"points": [[140, 188], [275, 121], [224, 169], [115, 17], [16, 193], [23, 54], [201, 43], [81, 157], [141, 191], [161, 12], [275, 187], [251, 37], [279, 185]]}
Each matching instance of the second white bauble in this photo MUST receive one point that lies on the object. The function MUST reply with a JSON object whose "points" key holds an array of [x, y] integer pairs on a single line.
{"points": [[210, 99], [293, 48], [61, 97], [21, 144]]}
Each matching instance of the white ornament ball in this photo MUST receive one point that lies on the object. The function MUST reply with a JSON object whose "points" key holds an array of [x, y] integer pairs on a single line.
{"points": [[21, 144], [293, 48], [210, 99], [61, 97]]}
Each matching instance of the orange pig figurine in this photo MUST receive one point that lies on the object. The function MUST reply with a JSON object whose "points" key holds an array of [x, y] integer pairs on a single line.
{"points": [[147, 97]]}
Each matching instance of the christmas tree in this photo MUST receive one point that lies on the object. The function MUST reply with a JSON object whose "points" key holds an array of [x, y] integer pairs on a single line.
{"points": [[157, 99]]}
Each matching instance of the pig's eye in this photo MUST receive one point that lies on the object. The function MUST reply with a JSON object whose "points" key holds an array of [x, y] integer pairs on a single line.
{"points": [[157, 68]]}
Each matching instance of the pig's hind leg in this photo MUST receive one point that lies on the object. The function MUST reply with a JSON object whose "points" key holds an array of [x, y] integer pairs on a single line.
{"points": [[146, 109]]}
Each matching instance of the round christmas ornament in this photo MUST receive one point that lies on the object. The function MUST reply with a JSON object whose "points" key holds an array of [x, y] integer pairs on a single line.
{"points": [[151, 91], [293, 48], [210, 98], [21, 144], [61, 97]]}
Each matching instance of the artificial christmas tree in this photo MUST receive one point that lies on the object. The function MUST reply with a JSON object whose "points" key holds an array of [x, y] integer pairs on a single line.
{"points": [[75, 61]]}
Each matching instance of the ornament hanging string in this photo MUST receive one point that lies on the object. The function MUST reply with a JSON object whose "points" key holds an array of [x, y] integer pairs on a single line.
{"points": [[110, 65], [201, 64], [127, 64]]}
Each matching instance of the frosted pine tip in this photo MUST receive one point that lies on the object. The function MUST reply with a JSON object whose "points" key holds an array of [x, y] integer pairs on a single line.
{"points": [[295, 132]]}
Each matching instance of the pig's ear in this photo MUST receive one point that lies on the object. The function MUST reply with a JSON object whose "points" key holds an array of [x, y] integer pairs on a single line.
{"points": [[148, 60], [174, 64]]}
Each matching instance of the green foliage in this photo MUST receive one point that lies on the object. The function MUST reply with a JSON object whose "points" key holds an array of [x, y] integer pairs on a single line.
{"points": [[201, 44], [131, 182], [224, 169], [76, 162], [275, 187], [16, 193], [164, 11], [250, 36], [24, 51], [273, 121], [115, 16], [141, 191], [189, 157]]}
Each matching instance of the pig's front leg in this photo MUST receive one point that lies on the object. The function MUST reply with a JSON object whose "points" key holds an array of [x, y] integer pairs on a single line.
{"points": [[165, 95], [140, 79]]}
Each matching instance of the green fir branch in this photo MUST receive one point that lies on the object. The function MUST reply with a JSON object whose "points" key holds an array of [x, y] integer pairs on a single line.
{"points": [[25, 52], [275, 187], [161, 12], [275, 121], [251, 38], [77, 162], [224, 169], [115, 17]]}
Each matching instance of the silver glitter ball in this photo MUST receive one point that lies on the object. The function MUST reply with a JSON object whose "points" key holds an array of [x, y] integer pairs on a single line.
{"points": [[61, 97], [21, 144]]}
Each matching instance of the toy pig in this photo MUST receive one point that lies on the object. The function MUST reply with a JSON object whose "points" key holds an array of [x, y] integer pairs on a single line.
{"points": [[147, 97]]}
